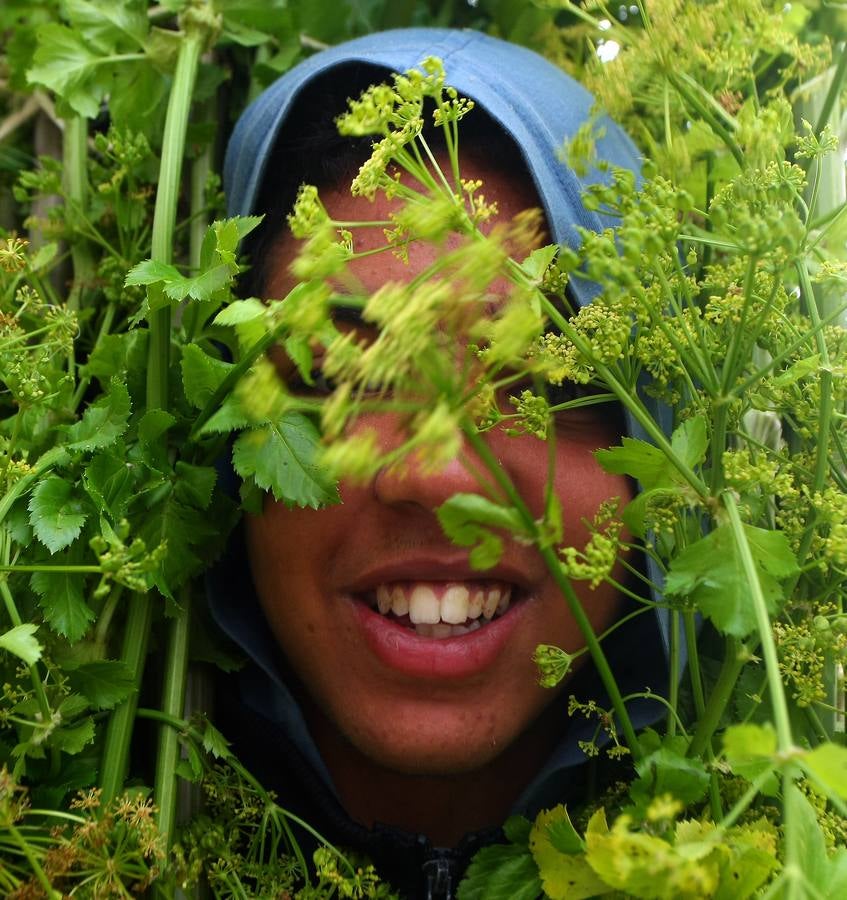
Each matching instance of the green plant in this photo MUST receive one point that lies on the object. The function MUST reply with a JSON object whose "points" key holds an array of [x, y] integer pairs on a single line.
{"points": [[723, 283]]}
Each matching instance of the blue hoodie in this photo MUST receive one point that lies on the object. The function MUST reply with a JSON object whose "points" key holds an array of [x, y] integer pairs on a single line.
{"points": [[538, 106]]}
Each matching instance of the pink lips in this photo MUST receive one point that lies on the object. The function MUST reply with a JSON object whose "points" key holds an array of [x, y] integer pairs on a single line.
{"points": [[401, 649]]}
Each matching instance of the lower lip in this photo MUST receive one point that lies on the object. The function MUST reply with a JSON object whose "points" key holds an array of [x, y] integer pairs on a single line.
{"points": [[405, 651]]}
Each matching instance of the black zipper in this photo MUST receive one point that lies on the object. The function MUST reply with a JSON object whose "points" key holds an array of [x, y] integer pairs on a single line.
{"points": [[438, 878]]}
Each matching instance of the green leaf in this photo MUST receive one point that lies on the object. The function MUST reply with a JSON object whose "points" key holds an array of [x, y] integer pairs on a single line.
{"points": [[177, 286], [668, 771], [501, 872], [64, 64], [281, 457], [56, 515], [109, 481], [230, 417], [827, 765], [241, 311], [117, 354], [104, 683], [63, 602], [690, 441], [709, 576], [517, 829], [194, 484], [73, 738], [648, 464], [104, 421], [153, 424], [214, 742], [635, 458], [750, 751], [202, 375], [150, 271], [467, 519], [106, 25], [559, 854], [21, 642]]}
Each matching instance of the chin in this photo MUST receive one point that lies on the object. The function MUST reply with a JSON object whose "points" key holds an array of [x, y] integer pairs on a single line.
{"points": [[436, 741]]}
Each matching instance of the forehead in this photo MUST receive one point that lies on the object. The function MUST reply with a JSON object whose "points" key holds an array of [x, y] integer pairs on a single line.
{"points": [[512, 192]]}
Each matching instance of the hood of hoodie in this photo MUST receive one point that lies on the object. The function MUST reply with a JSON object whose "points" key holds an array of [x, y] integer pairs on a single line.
{"points": [[538, 106]]}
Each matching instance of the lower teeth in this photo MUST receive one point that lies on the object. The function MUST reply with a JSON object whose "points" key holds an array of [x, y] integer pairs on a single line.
{"points": [[443, 630]]}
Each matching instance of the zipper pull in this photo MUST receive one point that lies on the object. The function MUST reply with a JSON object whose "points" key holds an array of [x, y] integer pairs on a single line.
{"points": [[439, 878]]}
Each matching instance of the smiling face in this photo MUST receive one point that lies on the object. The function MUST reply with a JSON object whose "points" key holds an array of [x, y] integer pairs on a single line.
{"points": [[411, 658]]}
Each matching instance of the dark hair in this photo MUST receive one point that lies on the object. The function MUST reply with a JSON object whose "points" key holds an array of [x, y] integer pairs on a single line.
{"points": [[309, 150]]}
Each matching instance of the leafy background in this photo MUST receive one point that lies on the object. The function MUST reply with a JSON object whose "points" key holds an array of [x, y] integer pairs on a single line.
{"points": [[117, 271]]}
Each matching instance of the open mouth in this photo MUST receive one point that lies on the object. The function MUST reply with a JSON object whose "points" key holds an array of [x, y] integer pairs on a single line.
{"points": [[434, 609]]}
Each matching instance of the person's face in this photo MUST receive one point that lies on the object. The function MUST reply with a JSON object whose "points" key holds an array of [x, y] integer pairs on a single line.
{"points": [[340, 586]]}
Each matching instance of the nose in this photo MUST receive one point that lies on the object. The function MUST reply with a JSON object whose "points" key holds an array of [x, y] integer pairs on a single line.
{"points": [[413, 483]]}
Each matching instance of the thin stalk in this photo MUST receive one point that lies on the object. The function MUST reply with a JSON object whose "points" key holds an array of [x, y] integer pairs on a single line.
{"points": [[782, 721], [483, 451], [164, 215], [175, 678], [40, 874], [119, 731], [834, 90], [199, 219], [74, 157], [733, 662], [164, 220], [673, 664]]}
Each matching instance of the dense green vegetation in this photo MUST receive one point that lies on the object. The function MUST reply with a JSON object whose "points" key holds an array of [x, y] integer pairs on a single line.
{"points": [[724, 285]]}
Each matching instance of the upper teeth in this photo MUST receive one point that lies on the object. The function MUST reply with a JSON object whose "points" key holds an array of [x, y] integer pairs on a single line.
{"points": [[432, 603]]}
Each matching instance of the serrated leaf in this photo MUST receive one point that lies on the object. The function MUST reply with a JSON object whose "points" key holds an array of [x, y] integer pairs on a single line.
{"points": [[63, 603], [108, 480], [241, 311], [709, 575], [150, 271], [106, 24], [104, 683], [564, 871], [666, 771], [230, 417], [65, 64], [21, 642], [214, 742], [194, 484], [281, 457], [73, 738], [635, 458], [690, 441], [56, 515], [501, 872], [104, 421], [153, 424], [201, 375], [468, 520]]}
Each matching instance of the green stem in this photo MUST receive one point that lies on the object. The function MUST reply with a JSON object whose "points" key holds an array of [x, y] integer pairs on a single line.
{"points": [[483, 451], [40, 874], [74, 158], [833, 92], [733, 662], [673, 692], [119, 732], [779, 703], [164, 220], [173, 700], [164, 215]]}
